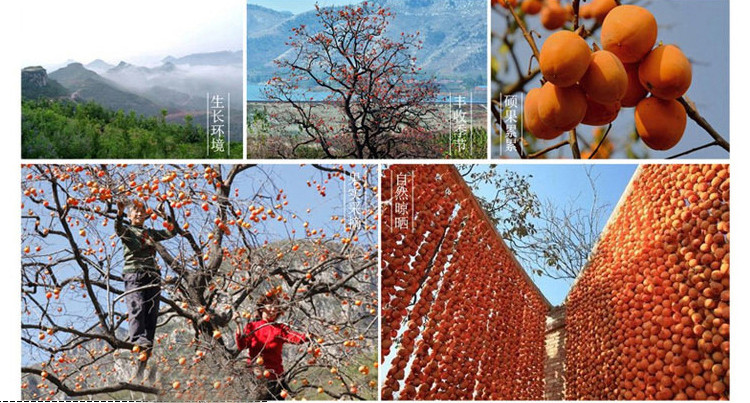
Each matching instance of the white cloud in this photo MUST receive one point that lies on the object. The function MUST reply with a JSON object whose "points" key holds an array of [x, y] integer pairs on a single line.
{"points": [[137, 31]]}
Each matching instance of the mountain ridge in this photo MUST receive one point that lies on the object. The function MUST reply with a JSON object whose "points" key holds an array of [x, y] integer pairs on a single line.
{"points": [[87, 85], [178, 85], [218, 58]]}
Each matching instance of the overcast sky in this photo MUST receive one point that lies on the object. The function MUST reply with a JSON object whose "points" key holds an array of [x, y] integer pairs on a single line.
{"points": [[137, 31], [298, 6]]}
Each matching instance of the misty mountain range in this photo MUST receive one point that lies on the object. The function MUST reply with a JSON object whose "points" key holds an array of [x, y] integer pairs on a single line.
{"points": [[453, 31], [178, 85]]}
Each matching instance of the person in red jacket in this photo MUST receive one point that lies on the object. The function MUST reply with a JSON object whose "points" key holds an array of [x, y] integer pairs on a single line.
{"points": [[264, 340]]}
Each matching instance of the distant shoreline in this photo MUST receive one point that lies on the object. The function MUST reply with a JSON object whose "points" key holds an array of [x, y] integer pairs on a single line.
{"points": [[249, 101]]}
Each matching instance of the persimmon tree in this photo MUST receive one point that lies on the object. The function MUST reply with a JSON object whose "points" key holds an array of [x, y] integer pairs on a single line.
{"points": [[510, 203], [378, 103], [565, 233], [549, 238], [241, 236]]}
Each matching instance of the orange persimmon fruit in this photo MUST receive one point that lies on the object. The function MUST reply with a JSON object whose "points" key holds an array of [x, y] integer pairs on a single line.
{"points": [[660, 123], [666, 72], [629, 32], [564, 58]]}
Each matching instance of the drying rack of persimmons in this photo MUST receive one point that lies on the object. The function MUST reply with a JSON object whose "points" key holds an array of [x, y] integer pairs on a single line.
{"points": [[460, 318], [647, 318]]}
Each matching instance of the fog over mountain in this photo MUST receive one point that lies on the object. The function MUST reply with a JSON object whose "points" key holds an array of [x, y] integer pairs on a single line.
{"points": [[98, 66], [86, 85], [193, 80]]}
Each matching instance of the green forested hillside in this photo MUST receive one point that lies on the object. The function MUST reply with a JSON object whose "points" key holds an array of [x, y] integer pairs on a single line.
{"points": [[65, 129]]}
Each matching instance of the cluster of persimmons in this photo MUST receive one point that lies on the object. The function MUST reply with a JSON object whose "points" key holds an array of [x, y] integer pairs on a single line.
{"points": [[590, 87]]}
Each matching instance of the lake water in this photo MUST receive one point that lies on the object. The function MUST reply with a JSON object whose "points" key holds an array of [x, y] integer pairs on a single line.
{"points": [[255, 93]]}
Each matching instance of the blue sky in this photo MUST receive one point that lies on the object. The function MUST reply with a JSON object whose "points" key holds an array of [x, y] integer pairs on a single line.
{"points": [[562, 183], [684, 23], [298, 6]]}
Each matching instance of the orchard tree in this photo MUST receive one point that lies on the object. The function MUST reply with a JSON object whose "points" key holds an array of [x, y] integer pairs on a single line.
{"points": [[240, 236], [511, 203], [378, 104], [565, 234]]}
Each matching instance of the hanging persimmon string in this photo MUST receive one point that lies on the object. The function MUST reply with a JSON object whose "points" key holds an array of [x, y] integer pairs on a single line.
{"points": [[460, 320]]}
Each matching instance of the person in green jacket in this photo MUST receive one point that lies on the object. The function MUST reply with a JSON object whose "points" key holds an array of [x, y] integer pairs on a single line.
{"points": [[140, 275]]}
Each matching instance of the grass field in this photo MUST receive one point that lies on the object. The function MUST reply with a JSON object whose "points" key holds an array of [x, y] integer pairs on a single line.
{"points": [[269, 136]]}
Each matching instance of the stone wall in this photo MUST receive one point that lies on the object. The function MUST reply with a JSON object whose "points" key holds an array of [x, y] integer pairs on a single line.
{"points": [[554, 364]]}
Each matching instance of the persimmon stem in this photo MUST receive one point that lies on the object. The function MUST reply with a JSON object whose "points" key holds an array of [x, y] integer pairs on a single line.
{"points": [[576, 9], [701, 121], [522, 26], [574, 144], [548, 149], [601, 142]]}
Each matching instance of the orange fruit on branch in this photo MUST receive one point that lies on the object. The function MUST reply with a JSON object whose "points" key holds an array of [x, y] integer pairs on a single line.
{"points": [[564, 58], [666, 72], [561, 108], [598, 114], [531, 119], [553, 16], [531, 7], [585, 11], [600, 8], [606, 80], [629, 32], [635, 92], [660, 123]]}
